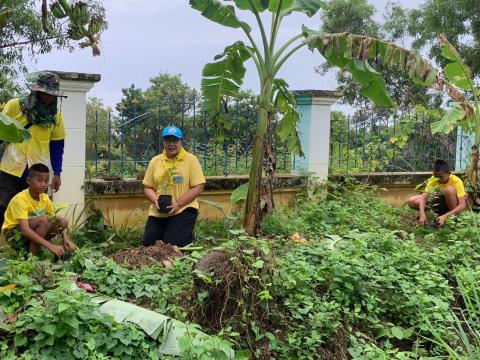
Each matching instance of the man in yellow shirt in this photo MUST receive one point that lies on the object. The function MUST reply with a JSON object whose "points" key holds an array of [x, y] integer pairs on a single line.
{"points": [[37, 112], [177, 173], [31, 212], [444, 193]]}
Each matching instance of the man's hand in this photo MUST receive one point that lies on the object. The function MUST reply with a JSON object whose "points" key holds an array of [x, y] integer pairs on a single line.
{"points": [[173, 208], [441, 220], [56, 182], [70, 246], [57, 250], [422, 220]]}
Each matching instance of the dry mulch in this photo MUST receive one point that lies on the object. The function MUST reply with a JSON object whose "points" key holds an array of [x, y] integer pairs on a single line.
{"points": [[136, 258]]}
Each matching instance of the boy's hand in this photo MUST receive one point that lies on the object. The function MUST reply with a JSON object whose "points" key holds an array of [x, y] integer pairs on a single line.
{"points": [[57, 250], [70, 246], [441, 220], [422, 220]]}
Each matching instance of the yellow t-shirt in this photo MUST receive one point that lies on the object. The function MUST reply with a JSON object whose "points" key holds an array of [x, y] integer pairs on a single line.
{"points": [[454, 181], [17, 157], [23, 206], [188, 174]]}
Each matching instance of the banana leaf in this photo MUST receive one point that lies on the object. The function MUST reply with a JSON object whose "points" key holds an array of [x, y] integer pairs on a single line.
{"points": [[11, 130], [165, 330]]}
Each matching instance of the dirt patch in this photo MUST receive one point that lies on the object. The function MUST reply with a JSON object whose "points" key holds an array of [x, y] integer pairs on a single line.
{"points": [[140, 257]]}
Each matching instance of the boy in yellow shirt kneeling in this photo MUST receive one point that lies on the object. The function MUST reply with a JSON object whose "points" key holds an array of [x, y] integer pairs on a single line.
{"points": [[36, 230]]}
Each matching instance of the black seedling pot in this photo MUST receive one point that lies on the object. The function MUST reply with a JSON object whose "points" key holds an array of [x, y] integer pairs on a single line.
{"points": [[164, 201]]}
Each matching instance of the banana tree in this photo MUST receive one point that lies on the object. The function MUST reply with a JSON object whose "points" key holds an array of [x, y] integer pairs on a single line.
{"points": [[465, 108], [224, 76]]}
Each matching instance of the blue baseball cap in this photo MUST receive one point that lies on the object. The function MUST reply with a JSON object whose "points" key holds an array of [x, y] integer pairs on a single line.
{"points": [[172, 131]]}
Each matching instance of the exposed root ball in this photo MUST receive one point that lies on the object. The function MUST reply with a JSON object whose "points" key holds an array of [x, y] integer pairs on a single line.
{"points": [[226, 286]]}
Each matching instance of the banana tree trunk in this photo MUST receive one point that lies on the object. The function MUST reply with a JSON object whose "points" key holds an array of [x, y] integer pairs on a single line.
{"points": [[251, 220], [472, 177]]}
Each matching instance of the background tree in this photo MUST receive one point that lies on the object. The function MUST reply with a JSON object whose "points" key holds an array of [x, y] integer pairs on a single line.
{"points": [[97, 129], [29, 27], [358, 17], [458, 20], [145, 112]]}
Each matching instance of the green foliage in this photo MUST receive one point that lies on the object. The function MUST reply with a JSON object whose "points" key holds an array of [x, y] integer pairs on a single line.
{"points": [[27, 32], [66, 324], [285, 103], [24, 275], [151, 286], [354, 17], [11, 130], [384, 141], [224, 76], [358, 17], [214, 10], [363, 272], [239, 194], [364, 282], [352, 52], [466, 112], [434, 17]]}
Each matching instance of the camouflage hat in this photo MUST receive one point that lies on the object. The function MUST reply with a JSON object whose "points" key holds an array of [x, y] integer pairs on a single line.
{"points": [[46, 82]]}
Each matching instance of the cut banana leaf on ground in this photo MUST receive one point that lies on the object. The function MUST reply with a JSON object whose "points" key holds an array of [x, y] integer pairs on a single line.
{"points": [[166, 330]]}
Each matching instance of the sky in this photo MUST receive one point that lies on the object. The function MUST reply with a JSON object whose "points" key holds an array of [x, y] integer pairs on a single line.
{"points": [[148, 37]]}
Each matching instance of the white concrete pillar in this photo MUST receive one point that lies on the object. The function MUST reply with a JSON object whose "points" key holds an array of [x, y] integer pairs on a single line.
{"points": [[314, 107], [74, 109]]}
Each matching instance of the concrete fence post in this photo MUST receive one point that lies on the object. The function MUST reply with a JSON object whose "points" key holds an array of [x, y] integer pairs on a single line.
{"points": [[314, 107]]}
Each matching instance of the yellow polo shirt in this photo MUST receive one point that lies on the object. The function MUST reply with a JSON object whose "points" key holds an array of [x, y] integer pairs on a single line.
{"points": [[23, 207], [19, 156], [188, 174], [453, 180]]}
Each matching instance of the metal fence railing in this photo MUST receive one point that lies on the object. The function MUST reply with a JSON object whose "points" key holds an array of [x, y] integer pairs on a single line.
{"points": [[124, 144], [398, 142]]}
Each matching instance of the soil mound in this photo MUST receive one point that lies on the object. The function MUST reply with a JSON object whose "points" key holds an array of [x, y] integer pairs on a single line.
{"points": [[140, 257]]}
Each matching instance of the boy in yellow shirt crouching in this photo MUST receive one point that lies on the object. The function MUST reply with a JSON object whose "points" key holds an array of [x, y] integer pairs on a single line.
{"points": [[23, 214], [444, 194]]}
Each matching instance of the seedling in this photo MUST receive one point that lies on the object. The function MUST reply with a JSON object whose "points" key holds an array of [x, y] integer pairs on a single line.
{"points": [[166, 182]]}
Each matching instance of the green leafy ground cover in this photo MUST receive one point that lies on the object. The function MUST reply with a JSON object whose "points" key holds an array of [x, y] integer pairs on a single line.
{"points": [[366, 283]]}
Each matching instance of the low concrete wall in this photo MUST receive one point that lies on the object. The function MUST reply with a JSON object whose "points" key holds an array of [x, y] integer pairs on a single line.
{"points": [[394, 187], [123, 201]]}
